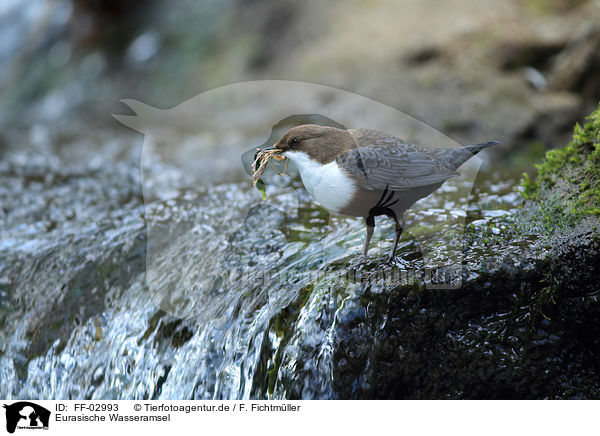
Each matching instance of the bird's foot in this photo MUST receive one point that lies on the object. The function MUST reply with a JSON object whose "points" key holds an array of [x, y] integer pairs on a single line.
{"points": [[398, 261]]}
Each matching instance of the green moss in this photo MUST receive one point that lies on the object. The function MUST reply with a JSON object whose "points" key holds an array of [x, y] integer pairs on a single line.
{"points": [[567, 186], [288, 316]]}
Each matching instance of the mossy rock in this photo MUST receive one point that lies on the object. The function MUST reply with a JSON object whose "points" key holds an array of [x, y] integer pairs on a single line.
{"points": [[567, 186]]}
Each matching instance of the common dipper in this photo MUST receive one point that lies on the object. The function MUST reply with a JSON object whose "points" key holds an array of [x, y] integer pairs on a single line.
{"points": [[366, 173]]}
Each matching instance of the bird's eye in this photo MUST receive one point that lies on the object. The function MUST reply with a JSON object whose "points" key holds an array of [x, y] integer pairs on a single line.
{"points": [[295, 142]]}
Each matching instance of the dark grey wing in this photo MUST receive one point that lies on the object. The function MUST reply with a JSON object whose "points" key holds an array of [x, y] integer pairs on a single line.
{"points": [[380, 160]]}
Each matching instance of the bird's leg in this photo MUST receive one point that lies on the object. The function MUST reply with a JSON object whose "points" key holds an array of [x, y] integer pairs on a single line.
{"points": [[396, 236], [370, 221]]}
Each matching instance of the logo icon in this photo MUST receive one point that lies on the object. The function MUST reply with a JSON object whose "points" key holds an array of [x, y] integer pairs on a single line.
{"points": [[26, 415]]}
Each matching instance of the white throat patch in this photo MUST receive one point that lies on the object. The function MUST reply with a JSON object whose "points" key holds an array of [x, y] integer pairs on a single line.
{"points": [[328, 184]]}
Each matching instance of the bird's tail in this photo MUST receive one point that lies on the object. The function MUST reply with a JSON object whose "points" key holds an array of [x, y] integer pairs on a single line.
{"points": [[459, 156], [476, 148]]}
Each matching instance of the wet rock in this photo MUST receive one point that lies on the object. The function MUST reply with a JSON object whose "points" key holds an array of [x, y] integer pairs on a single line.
{"points": [[522, 333]]}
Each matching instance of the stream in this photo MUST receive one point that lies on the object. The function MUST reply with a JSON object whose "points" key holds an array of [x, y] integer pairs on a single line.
{"points": [[103, 297]]}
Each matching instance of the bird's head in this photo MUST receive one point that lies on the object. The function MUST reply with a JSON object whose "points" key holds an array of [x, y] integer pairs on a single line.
{"points": [[320, 143]]}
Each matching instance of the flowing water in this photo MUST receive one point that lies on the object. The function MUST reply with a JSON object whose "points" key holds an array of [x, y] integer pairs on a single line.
{"points": [[104, 297]]}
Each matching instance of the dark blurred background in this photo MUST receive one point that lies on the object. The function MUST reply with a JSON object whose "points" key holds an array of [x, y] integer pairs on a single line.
{"points": [[518, 71]]}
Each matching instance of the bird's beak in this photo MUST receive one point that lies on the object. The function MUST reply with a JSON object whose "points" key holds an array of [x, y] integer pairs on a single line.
{"points": [[276, 146]]}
